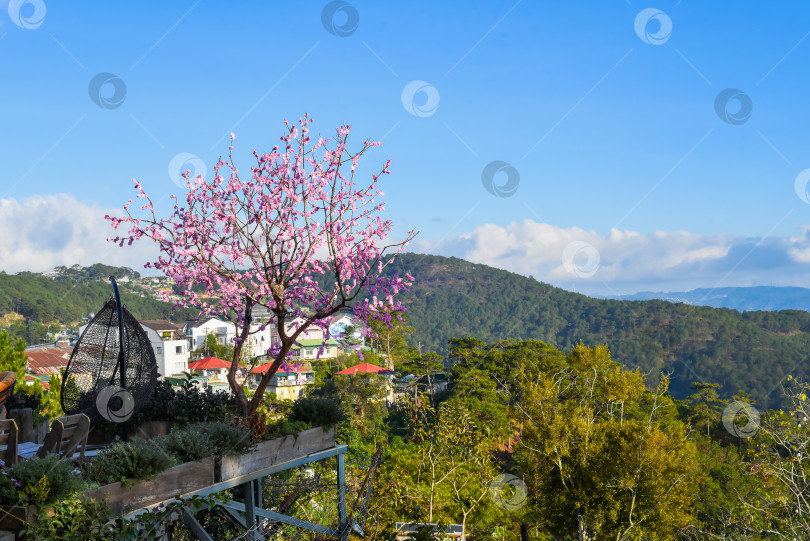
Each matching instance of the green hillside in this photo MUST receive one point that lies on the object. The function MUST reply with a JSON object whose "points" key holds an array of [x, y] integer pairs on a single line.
{"points": [[44, 300], [751, 351]]}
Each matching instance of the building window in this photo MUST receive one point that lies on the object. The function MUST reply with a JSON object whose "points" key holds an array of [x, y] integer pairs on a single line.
{"points": [[178, 350]]}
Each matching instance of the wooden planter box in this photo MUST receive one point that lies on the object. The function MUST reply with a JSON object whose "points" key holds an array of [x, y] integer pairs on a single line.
{"points": [[170, 484], [192, 476], [11, 522], [271, 452]]}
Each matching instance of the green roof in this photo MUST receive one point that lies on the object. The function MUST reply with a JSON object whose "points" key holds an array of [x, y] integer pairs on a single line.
{"points": [[314, 343]]}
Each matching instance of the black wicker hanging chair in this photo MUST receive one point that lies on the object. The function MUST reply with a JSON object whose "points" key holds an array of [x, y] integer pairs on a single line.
{"points": [[94, 383]]}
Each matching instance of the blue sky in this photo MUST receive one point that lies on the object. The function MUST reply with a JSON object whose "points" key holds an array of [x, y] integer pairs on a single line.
{"points": [[627, 176]]}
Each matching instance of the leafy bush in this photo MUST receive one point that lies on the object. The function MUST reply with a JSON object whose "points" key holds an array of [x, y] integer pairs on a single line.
{"points": [[317, 411], [9, 487], [20, 400], [75, 520], [190, 405], [284, 427], [137, 459], [227, 439], [44, 480], [187, 445]]}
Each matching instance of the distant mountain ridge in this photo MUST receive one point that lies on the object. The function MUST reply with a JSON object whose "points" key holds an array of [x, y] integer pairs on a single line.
{"points": [[769, 298], [752, 351]]}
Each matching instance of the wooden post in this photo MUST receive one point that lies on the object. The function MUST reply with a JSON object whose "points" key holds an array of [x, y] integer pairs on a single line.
{"points": [[25, 424]]}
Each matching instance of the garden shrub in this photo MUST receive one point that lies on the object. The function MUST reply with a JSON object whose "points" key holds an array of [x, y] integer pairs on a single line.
{"points": [[137, 459], [187, 445], [44, 480], [284, 427], [181, 407], [317, 411], [227, 439], [75, 520]]}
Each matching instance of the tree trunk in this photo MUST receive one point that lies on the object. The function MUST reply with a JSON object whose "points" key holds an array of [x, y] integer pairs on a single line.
{"points": [[524, 532], [237, 389]]}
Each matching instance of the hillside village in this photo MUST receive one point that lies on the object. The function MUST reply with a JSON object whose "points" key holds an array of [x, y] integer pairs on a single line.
{"points": [[178, 347], [183, 349]]}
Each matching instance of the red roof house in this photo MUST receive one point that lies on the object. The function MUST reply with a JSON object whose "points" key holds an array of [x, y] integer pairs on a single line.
{"points": [[365, 368], [209, 363]]}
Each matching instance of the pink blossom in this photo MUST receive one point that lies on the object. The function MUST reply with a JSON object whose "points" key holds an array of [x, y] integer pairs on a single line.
{"points": [[257, 239]]}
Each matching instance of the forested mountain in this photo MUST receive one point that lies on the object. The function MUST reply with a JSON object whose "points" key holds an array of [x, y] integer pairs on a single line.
{"points": [[738, 298], [42, 299], [751, 351]]}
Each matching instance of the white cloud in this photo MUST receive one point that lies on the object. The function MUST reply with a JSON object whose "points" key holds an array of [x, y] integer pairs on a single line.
{"points": [[628, 261], [41, 232]]}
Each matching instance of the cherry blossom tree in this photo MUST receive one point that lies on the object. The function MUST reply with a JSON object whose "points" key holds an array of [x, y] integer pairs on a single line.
{"points": [[300, 221]]}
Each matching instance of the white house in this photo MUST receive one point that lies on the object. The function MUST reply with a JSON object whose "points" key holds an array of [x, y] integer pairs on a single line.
{"points": [[170, 346], [197, 332], [340, 324]]}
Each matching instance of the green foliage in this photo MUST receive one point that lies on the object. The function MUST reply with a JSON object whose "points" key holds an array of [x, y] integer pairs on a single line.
{"points": [[187, 445], [597, 443], [68, 300], [213, 348], [226, 439], [190, 405], [284, 427], [73, 520], [44, 480], [362, 402], [752, 351], [12, 356], [77, 520], [316, 411], [13, 359], [138, 459]]}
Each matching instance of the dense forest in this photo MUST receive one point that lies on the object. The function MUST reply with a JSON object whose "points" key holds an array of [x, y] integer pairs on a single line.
{"points": [[750, 351]]}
